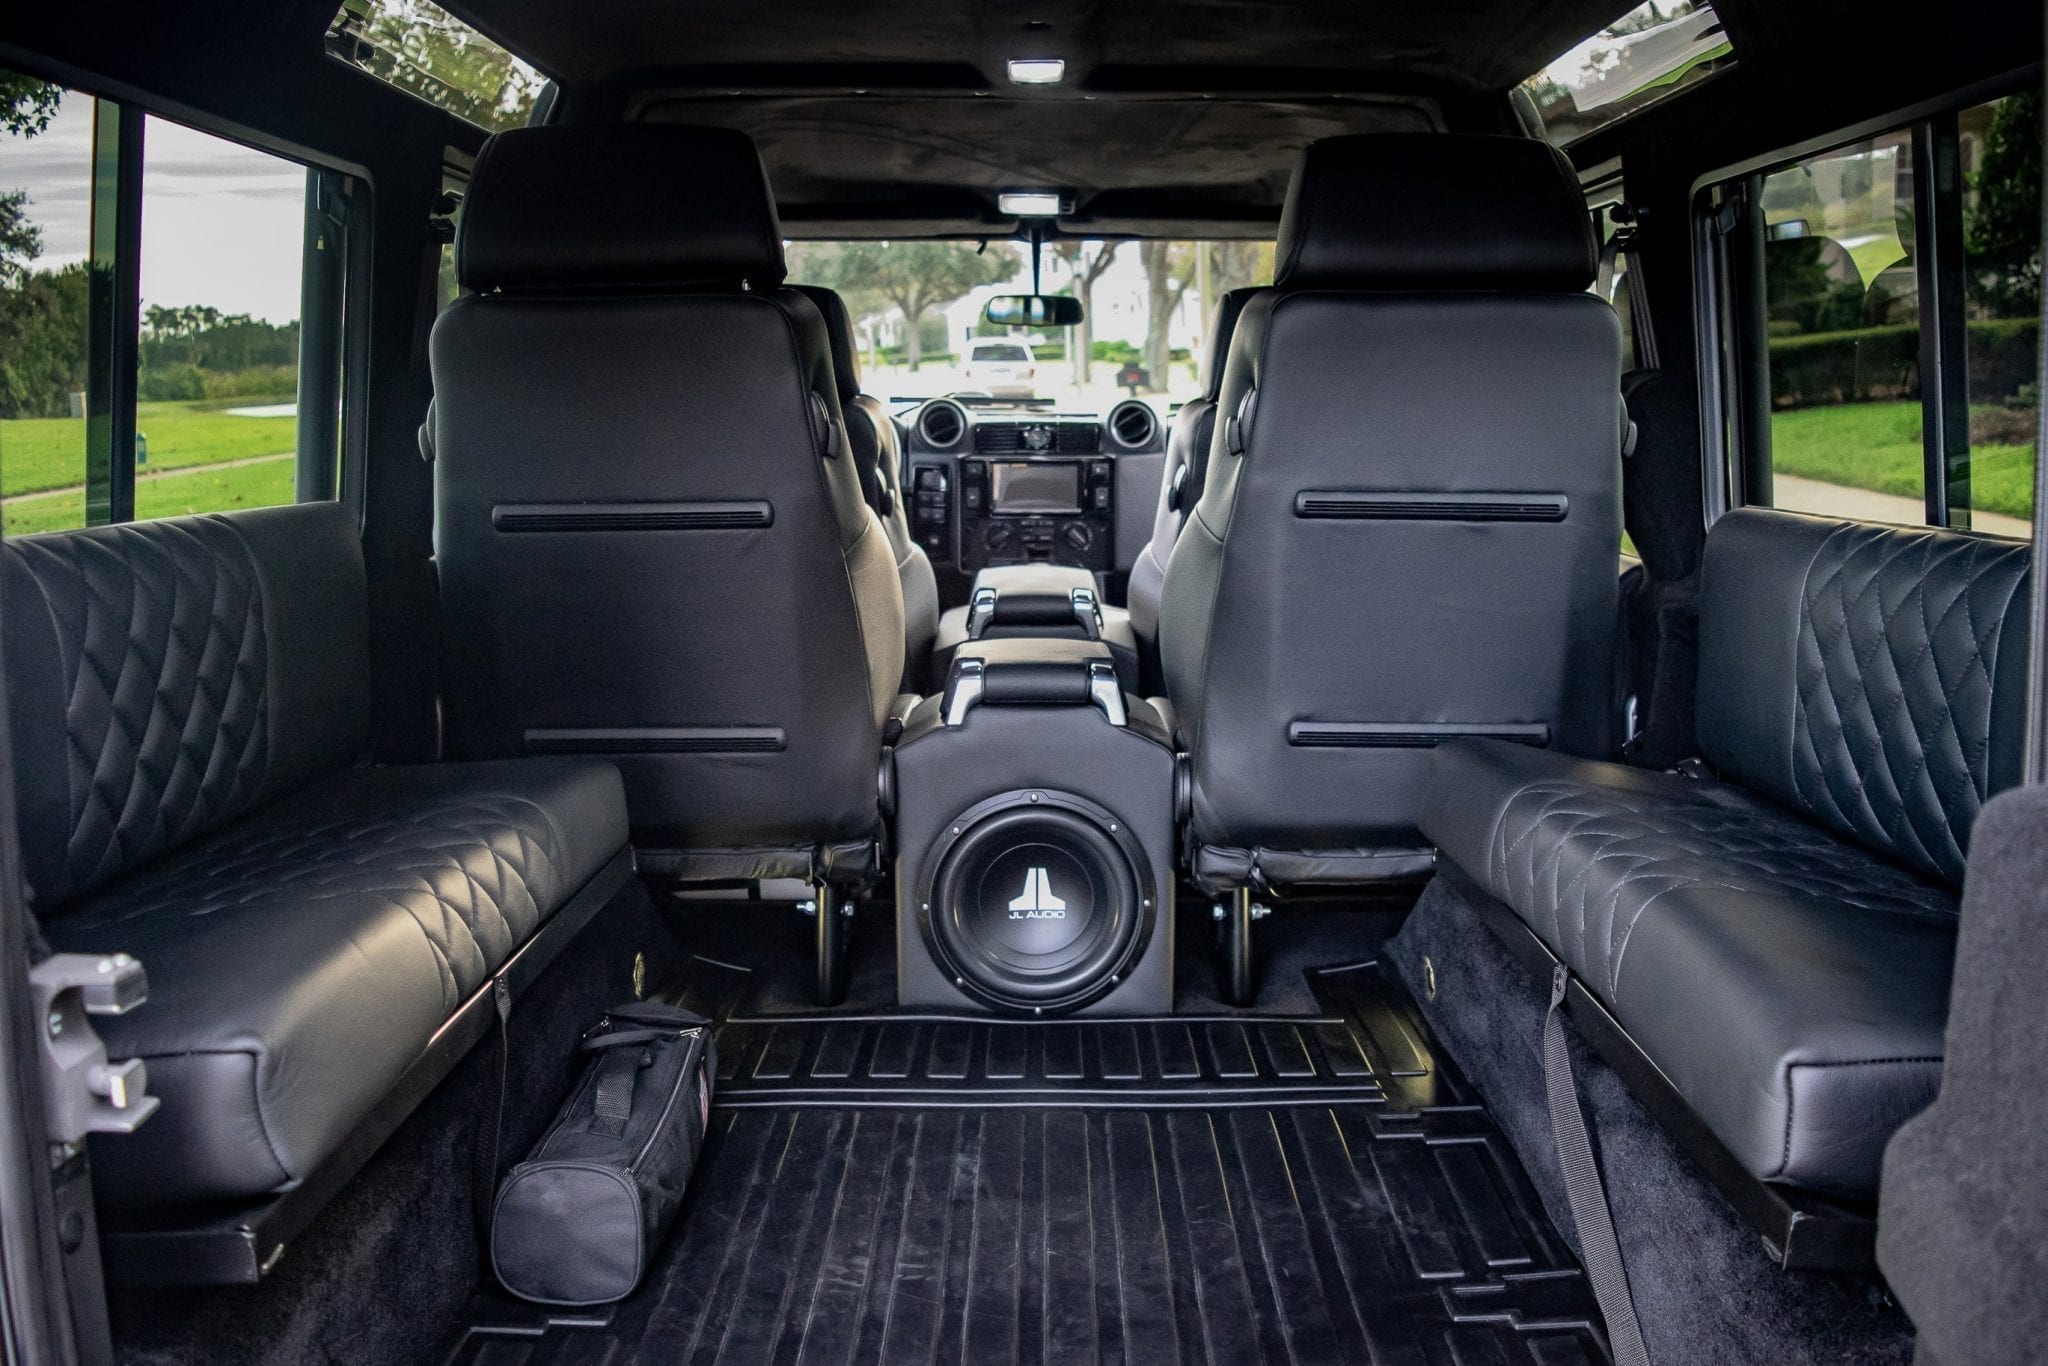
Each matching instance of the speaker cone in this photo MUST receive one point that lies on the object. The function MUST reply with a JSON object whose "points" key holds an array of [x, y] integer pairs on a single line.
{"points": [[1037, 901]]}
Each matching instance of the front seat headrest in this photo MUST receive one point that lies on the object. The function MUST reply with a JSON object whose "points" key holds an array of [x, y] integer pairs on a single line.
{"points": [[839, 329], [1222, 325], [617, 206], [1435, 211]]}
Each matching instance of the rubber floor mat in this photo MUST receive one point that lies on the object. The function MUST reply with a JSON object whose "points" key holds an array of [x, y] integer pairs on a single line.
{"points": [[1309, 1189]]}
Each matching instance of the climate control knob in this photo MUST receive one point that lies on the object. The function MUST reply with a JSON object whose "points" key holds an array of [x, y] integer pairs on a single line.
{"points": [[998, 536], [1077, 537]]}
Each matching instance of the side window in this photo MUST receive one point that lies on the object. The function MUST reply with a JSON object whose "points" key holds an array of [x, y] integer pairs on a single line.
{"points": [[46, 219], [217, 408], [2000, 152], [1842, 335], [154, 360], [1879, 326]]}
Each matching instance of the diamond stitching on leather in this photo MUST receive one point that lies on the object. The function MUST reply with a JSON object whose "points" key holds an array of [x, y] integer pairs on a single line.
{"points": [[160, 632], [1899, 633], [1594, 861], [476, 869]]}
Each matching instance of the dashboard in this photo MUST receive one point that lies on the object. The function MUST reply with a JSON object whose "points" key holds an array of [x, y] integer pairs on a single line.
{"points": [[998, 485]]}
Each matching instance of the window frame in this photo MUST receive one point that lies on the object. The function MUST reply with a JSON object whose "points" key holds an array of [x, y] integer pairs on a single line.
{"points": [[1727, 239], [115, 320]]}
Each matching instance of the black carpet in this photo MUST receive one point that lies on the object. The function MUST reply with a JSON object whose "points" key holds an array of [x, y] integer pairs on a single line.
{"points": [[1704, 1289], [1203, 1188]]}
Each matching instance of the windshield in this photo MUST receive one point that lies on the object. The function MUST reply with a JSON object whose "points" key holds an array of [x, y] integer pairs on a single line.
{"points": [[917, 315]]}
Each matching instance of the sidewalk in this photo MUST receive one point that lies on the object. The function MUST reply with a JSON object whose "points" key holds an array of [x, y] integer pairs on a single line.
{"points": [[1837, 500], [145, 475]]}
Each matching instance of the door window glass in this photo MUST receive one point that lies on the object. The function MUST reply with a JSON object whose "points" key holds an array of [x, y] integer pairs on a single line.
{"points": [[2000, 148], [46, 204], [223, 233], [1841, 322]]}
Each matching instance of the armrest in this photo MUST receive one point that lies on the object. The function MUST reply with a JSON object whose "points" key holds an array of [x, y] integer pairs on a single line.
{"points": [[1069, 674]]}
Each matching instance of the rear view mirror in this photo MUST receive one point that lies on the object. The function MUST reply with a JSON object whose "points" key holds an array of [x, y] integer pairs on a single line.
{"points": [[1033, 310]]}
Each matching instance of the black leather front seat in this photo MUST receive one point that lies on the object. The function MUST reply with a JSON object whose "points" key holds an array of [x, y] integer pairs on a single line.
{"points": [[651, 536], [878, 455], [1409, 525], [1180, 480]]}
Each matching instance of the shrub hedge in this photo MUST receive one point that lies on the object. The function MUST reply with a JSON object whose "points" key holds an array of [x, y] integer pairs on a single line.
{"points": [[1877, 363]]}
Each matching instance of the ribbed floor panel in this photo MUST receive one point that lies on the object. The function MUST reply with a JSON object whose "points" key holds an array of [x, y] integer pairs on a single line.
{"points": [[971, 1198]]}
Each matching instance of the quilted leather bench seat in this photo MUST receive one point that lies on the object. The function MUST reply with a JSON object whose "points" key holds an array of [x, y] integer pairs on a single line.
{"points": [[1778, 939], [189, 703]]}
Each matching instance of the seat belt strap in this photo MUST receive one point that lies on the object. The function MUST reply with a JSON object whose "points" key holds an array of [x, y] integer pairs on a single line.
{"points": [[1591, 1218], [483, 1169]]}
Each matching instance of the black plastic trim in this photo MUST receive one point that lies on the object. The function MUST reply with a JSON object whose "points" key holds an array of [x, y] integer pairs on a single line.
{"points": [[1406, 735], [735, 514], [1353, 505], [657, 740]]}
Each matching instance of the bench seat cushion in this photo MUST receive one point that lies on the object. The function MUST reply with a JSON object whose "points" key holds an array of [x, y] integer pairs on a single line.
{"points": [[1789, 983], [301, 958]]}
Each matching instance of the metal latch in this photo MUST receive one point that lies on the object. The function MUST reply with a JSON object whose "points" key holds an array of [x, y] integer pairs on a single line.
{"points": [[83, 1092]]}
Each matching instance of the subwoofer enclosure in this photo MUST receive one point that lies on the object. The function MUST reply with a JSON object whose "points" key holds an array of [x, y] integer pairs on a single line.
{"points": [[1036, 900], [1035, 872]]}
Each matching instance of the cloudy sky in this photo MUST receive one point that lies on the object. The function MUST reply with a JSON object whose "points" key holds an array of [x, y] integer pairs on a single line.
{"points": [[221, 223]]}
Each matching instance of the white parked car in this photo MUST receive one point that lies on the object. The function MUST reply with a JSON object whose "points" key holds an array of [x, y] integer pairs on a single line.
{"points": [[1001, 369]]}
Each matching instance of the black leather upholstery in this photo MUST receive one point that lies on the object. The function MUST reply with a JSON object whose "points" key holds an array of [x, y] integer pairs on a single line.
{"points": [[1903, 663], [188, 697], [167, 677], [1180, 480], [1427, 211], [651, 535], [300, 959], [1383, 556], [1781, 955], [878, 455], [628, 206]]}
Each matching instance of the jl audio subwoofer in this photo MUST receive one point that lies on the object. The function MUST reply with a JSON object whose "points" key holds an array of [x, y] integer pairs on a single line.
{"points": [[1037, 900], [1034, 828]]}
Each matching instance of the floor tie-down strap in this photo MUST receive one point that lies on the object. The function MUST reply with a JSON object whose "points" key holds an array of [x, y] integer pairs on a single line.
{"points": [[1594, 1222]]}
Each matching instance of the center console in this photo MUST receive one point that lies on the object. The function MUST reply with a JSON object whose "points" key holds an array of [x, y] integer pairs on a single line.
{"points": [[1034, 811], [993, 486], [1037, 509]]}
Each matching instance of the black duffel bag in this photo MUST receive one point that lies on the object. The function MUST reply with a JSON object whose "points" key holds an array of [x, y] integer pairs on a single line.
{"points": [[579, 1220]]}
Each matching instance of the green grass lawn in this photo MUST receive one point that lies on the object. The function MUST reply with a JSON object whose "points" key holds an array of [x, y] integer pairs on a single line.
{"points": [[49, 452], [245, 486], [1877, 446]]}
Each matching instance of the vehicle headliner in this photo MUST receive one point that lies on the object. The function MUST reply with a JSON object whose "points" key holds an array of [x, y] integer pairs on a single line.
{"points": [[1175, 117]]}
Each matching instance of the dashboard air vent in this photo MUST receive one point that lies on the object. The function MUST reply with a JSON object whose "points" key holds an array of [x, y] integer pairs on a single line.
{"points": [[942, 424], [1133, 425]]}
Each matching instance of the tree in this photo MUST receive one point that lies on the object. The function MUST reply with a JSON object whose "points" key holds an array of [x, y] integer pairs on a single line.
{"points": [[1087, 266], [1169, 270], [26, 104], [26, 108], [42, 343], [915, 277], [2003, 233]]}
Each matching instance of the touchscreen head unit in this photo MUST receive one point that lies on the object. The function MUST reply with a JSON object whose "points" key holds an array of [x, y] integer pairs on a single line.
{"points": [[1047, 486]]}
